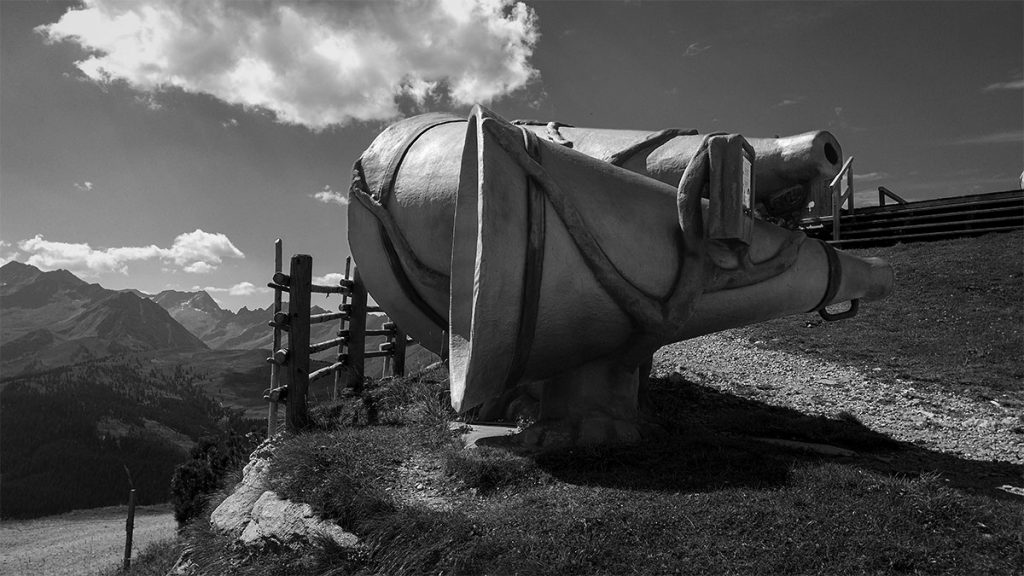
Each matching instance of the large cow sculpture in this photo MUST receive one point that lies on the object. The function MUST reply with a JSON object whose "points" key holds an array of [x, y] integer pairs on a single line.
{"points": [[559, 259]]}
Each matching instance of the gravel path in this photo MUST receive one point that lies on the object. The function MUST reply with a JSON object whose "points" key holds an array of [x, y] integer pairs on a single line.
{"points": [[939, 422], [81, 542]]}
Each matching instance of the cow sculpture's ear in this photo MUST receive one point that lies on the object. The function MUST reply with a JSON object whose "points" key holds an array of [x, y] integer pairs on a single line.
{"points": [[488, 247]]}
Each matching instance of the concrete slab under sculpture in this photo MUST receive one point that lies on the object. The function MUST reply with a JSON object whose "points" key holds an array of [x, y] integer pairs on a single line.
{"points": [[567, 272]]}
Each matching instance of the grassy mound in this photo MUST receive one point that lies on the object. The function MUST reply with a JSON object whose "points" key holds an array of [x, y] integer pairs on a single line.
{"points": [[955, 321], [700, 499]]}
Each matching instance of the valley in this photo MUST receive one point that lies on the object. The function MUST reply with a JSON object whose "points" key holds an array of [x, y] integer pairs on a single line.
{"points": [[98, 384]]}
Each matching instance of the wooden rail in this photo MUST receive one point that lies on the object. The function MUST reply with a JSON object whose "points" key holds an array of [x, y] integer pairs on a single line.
{"points": [[294, 361]]}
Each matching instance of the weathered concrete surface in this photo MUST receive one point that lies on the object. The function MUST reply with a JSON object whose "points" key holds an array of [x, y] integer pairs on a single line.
{"points": [[421, 196], [547, 267]]}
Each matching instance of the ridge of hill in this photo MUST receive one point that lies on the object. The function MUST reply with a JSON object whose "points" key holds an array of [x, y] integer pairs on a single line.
{"points": [[49, 319]]}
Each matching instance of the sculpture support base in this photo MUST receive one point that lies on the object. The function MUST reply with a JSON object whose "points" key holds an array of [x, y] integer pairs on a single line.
{"points": [[591, 404]]}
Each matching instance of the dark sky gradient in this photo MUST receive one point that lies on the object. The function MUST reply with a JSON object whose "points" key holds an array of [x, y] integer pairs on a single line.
{"points": [[927, 96]]}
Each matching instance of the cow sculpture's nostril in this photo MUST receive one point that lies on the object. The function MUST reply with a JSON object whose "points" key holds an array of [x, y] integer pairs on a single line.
{"points": [[831, 154]]}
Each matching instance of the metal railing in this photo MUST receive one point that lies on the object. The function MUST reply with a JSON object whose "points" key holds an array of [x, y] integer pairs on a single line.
{"points": [[884, 193], [840, 196]]}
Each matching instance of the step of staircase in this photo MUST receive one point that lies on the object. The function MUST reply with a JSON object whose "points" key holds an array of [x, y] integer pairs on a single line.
{"points": [[939, 219]]}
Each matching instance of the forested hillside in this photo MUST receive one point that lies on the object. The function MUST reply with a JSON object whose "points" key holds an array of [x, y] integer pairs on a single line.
{"points": [[72, 435]]}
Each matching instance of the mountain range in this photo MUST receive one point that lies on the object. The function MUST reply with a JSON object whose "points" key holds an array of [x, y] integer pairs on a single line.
{"points": [[225, 330], [50, 319]]}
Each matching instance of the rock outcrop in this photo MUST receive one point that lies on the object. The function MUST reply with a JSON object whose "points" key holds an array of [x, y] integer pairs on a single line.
{"points": [[258, 517]]}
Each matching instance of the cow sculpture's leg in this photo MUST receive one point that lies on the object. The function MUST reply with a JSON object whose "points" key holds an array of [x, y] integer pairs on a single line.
{"points": [[595, 403]]}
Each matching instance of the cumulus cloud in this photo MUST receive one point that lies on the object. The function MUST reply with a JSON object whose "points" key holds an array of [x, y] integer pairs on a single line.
{"points": [[149, 100], [199, 268], [331, 279], [313, 64], [870, 176], [205, 247], [240, 289], [83, 186], [696, 49], [6, 255], [1011, 85], [196, 252], [994, 138], [789, 102], [330, 196]]}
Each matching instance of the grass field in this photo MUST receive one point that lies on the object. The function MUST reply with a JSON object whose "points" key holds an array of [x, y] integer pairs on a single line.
{"points": [[80, 543], [955, 320]]}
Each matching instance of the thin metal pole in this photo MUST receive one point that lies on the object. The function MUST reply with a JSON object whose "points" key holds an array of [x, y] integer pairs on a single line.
{"points": [[836, 198], [275, 376], [849, 185]]}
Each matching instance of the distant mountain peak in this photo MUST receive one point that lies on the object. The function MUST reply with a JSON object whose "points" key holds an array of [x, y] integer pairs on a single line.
{"points": [[79, 320], [203, 301], [15, 265], [199, 300], [63, 275], [15, 273]]}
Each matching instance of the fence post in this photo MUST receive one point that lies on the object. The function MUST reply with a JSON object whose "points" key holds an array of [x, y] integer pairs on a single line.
{"points": [[275, 371], [357, 334], [398, 353], [301, 275], [338, 374], [129, 529]]}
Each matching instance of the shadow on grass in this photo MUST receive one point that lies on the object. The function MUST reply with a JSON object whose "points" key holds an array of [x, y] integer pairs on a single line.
{"points": [[701, 498], [709, 441]]}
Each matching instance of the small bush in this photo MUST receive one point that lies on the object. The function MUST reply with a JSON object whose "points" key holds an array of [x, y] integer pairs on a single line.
{"points": [[190, 484], [154, 560], [211, 460]]}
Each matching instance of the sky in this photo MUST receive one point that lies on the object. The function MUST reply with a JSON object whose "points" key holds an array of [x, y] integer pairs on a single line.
{"points": [[159, 144]]}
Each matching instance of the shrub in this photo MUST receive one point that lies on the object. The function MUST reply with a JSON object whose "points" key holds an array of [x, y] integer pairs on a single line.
{"points": [[211, 460]]}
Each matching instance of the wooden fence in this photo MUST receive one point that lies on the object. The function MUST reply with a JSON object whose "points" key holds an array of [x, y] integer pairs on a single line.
{"points": [[293, 361]]}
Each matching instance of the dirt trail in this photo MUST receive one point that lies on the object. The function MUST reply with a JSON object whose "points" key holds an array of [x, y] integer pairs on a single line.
{"points": [[78, 543], [939, 423]]}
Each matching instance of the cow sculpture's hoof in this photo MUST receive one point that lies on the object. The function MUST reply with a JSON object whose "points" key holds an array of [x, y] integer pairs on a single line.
{"points": [[593, 431], [589, 405]]}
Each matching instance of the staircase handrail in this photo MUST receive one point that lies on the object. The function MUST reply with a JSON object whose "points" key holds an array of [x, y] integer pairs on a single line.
{"points": [[839, 197], [884, 193]]}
